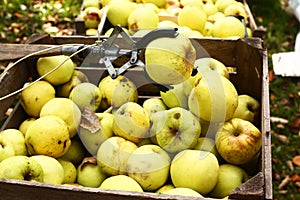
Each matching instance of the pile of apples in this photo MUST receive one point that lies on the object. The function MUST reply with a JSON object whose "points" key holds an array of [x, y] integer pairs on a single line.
{"points": [[194, 18], [196, 139]]}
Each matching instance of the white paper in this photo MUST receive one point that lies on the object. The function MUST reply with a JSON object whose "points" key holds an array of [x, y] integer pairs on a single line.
{"points": [[286, 63]]}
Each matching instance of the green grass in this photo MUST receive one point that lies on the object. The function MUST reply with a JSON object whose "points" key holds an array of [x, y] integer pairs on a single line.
{"points": [[284, 95]]}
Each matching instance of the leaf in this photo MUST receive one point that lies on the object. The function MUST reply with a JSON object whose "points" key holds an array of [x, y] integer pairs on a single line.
{"points": [[296, 160], [295, 178], [280, 137], [284, 182], [279, 120], [89, 120]]}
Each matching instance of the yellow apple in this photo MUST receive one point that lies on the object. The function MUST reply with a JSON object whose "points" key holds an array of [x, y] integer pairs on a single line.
{"points": [[230, 177], [113, 154], [167, 24], [228, 26], [25, 124], [35, 96], [194, 3], [131, 121], [53, 170], [121, 182], [170, 60], [238, 141], [16, 140], [66, 109], [142, 18], [214, 98], [89, 173], [60, 75], [149, 165], [236, 9], [48, 135], [208, 64], [210, 9], [183, 191], [117, 15], [192, 17], [195, 169], [158, 3]]}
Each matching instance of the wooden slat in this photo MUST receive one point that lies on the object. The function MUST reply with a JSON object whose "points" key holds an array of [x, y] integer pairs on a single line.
{"points": [[17, 51]]}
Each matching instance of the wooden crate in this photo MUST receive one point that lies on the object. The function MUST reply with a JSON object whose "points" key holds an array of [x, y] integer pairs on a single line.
{"points": [[258, 31], [247, 56]]}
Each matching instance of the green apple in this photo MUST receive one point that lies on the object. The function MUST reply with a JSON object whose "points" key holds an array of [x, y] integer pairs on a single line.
{"points": [[131, 121], [195, 169], [113, 154], [6, 149], [149, 165], [66, 109], [121, 182], [60, 75], [25, 124], [53, 170], [117, 91], [86, 95], [192, 17], [230, 177], [35, 96], [228, 27], [94, 129], [238, 141], [175, 129], [142, 18], [170, 60], [65, 89], [16, 139], [21, 168], [163, 189], [70, 171], [214, 98], [248, 108], [175, 97], [207, 64], [153, 105], [48, 135], [89, 174], [182, 191], [76, 151]]}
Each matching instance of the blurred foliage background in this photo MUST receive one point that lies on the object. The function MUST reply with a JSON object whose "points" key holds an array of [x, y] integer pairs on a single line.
{"points": [[21, 18]]}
